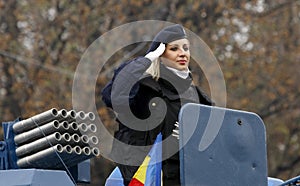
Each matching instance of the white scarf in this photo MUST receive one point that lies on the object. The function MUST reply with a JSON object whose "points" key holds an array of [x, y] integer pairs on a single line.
{"points": [[181, 73]]}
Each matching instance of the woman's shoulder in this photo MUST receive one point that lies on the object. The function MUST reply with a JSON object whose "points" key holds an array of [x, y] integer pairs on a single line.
{"points": [[149, 82]]}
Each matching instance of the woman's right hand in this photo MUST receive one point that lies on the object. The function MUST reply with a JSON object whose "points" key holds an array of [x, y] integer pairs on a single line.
{"points": [[176, 130], [156, 53]]}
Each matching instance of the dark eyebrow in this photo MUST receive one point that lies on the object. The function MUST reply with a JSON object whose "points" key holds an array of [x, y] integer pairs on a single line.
{"points": [[178, 44], [173, 45]]}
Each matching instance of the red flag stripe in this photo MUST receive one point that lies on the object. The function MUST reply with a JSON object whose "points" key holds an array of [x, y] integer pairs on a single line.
{"points": [[135, 182]]}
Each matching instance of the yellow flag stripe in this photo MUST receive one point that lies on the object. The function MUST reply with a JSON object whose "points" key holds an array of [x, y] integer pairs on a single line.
{"points": [[141, 172]]}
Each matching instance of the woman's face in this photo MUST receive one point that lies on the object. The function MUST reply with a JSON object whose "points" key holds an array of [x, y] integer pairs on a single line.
{"points": [[177, 54]]}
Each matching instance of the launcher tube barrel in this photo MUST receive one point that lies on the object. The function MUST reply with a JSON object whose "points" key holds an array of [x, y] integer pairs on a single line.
{"points": [[87, 153], [79, 154], [71, 116], [43, 159], [66, 138], [40, 119], [90, 116], [93, 140], [48, 158], [84, 139], [75, 138], [83, 128], [39, 144], [80, 115], [36, 133], [83, 116], [92, 127], [73, 128]]}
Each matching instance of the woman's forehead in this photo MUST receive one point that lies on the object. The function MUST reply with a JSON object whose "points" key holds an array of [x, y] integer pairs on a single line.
{"points": [[179, 42]]}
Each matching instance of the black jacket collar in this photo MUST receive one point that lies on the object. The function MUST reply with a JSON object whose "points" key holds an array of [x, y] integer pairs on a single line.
{"points": [[172, 82]]}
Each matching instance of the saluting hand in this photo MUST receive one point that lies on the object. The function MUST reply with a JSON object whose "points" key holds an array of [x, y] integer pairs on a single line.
{"points": [[156, 53]]}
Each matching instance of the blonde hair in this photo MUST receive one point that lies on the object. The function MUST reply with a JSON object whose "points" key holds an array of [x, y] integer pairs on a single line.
{"points": [[154, 69]]}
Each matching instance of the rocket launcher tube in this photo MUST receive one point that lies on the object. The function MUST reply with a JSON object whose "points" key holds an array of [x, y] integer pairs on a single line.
{"points": [[42, 118], [66, 138], [93, 140], [71, 159], [75, 138], [95, 151], [83, 128], [85, 153], [92, 127], [48, 158], [84, 139], [80, 116], [90, 116], [39, 144], [36, 133], [43, 159], [71, 116], [83, 116], [74, 127]]}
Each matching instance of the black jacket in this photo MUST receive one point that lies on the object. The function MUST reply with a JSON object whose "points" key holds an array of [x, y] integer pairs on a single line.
{"points": [[150, 107]]}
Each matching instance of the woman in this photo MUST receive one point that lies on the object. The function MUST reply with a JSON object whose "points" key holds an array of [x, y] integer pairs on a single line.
{"points": [[160, 84]]}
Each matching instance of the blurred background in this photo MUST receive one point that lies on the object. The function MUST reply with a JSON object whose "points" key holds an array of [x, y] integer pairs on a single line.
{"points": [[256, 42]]}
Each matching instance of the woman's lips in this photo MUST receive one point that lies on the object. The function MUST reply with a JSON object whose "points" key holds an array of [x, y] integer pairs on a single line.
{"points": [[182, 62]]}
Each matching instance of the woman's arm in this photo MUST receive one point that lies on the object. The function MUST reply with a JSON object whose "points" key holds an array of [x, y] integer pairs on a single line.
{"points": [[125, 85]]}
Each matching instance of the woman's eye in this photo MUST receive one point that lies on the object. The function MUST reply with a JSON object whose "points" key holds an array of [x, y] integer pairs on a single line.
{"points": [[185, 48], [173, 48]]}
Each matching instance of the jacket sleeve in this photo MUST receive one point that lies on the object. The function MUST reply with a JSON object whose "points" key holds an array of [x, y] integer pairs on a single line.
{"points": [[125, 84], [203, 98]]}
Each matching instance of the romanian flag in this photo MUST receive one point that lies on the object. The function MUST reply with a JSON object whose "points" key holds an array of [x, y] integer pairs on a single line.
{"points": [[149, 173]]}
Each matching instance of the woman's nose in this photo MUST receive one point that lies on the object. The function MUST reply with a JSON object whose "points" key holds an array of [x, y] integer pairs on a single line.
{"points": [[182, 52]]}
